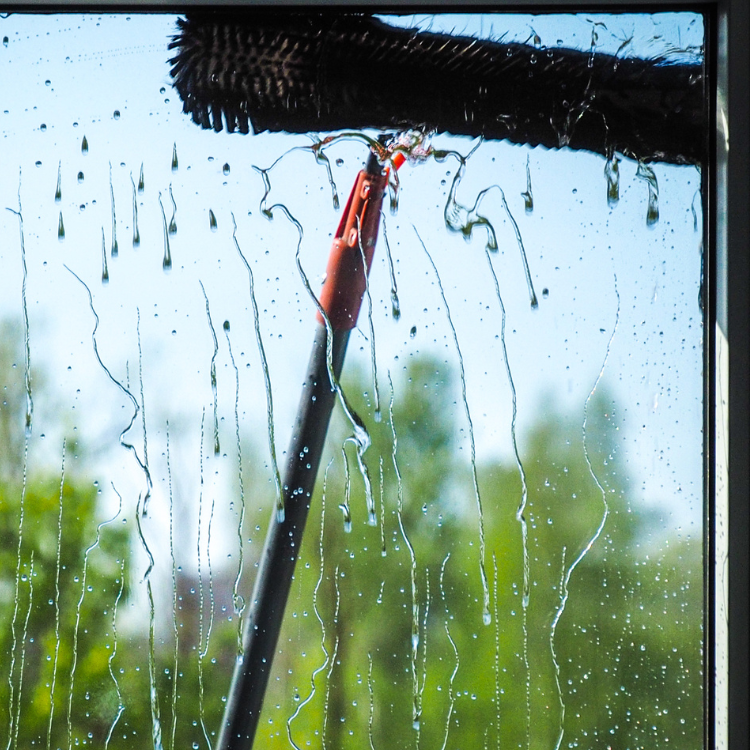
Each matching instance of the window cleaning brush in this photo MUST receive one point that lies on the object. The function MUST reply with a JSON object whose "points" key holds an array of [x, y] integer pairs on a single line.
{"points": [[322, 71]]}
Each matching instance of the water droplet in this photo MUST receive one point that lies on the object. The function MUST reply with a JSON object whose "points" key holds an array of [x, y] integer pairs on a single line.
{"points": [[174, 158], [37, 164], [413, 331], [545, 292], [84, 145], [141, 183], [162, 90], [212, 220], [612, 173], [487, 618], [80, 177], [5, 41], [116, 114], [225, 169], [43, 128], [226, 325], [60, 228], [339, 162]]}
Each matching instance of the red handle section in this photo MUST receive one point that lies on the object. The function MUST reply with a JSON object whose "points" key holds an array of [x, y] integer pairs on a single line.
{"points": [[346, 276]]}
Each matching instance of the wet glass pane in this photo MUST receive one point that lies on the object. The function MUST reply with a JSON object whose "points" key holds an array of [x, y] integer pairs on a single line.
{"points": [[504, 546]]}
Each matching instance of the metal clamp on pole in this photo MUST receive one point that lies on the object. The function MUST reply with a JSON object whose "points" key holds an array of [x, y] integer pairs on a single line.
{"points": [[349, 262]]}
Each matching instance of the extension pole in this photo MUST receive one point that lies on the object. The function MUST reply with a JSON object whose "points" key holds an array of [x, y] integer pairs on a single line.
{"points": [[341, 299]]}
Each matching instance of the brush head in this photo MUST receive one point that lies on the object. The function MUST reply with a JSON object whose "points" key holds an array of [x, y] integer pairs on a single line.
{"points": [[317, 72]]}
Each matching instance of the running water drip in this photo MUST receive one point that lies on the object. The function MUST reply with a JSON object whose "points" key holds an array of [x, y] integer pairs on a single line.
{"points": [[371, 694], [528, 196], [361, 436], [175, 163], [520, 517], [173, 220], [519, 240], [141, 181], [332, 661], [201, 650], [266, 378], [458, 218], [105, 269], [238, 601], [497, 650], [175, 628], [136, 231], [74, 662], [58, 189], [344, 507], [128, 446], [24, 639], [416, 703], [647, 174], [143, 397], [553, 653], [114, 251], [486, 616], [27, 437], [84, 146], [382, 510], [451, 694], [57, 599], [612, 173], [564, 590], [212, 224], [60, 228], [166, 263], [326, 655], [214, 388], [321, 158], [423, 681], [395, 305], [373, 358], [120, 704]]}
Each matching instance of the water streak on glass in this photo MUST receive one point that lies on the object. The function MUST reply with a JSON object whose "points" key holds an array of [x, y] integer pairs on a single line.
{"points": [[141, 181], [136, 231], [143, 395], [24, 639], [612, 173], [373, 358], [120, 704], [105, 268], [371, 694], [173, 220], [76, 628], [564, 591], [332, 661], [58, 189], [528, 195], [266, 377], [395, 305], [115, 248], [416, 712], [646, 173], [175, 163], [316, 610], [175, 628], [451, 694], [238, 601], [382, 511], [214, 387], [57, 599], [60, 228], [166, 263], [486, 615]]}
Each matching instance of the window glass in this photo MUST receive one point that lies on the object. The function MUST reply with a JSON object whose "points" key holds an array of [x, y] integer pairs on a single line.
{"points": [[527, 368]]}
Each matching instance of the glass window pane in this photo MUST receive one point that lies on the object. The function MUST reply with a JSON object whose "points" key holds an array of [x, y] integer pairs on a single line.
{"points": [[505, 544]]}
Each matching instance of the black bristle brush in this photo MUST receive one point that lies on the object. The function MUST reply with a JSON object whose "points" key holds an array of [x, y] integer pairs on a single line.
{"points": [[317, 72]]}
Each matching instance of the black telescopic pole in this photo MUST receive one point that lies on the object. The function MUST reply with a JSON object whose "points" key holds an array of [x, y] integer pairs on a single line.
{"points": [[341, 299]]}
